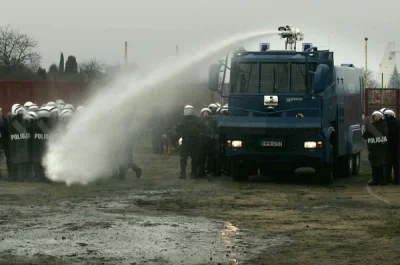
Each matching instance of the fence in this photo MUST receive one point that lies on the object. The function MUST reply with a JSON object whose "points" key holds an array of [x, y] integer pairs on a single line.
{"points": [[76, 92], [377, 98], [40, 92]]}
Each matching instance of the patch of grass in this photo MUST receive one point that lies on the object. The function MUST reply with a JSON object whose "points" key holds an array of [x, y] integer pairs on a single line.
{"points": [[390, 228]]}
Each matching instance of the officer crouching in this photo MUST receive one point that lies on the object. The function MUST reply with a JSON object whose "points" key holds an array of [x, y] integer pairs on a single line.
{"points": [[376, 135]]}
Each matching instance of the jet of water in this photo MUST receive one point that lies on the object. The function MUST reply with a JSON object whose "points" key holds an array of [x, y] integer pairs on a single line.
{"points": [[87, 150]]}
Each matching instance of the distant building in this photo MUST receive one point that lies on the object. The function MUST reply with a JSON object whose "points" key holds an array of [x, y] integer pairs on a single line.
{"points": [[388, 64]]}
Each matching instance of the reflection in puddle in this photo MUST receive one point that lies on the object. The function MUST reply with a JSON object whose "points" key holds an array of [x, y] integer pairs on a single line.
{"points": [[228, 236]]}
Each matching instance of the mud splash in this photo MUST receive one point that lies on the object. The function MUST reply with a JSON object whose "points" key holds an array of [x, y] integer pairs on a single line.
{"points": [[85, 232]]}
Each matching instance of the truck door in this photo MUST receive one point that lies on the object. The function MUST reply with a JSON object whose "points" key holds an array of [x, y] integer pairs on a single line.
{"points": [[341, 130]]}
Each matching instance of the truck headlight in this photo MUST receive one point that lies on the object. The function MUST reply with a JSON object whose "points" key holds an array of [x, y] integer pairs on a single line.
{"points": [[234, 143], [313, 144]]}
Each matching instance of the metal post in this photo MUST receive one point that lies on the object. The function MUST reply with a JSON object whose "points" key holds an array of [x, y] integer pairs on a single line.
{"points": [[366, 61], [382, 80], [126, 55]]}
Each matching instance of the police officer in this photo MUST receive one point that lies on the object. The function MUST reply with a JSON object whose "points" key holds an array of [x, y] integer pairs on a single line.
{"points": [[41, 130], [391, 122], [376, 135], [19, 143], [1, 138], [188, 129], [204, 145], [79, 109], [124, 160]]}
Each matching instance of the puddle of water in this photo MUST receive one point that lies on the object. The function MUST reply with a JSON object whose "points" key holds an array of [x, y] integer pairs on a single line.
{"points": [[87, 232]]}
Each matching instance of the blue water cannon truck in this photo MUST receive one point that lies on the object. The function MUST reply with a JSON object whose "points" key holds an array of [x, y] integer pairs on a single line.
{"points": [[289, 109]]}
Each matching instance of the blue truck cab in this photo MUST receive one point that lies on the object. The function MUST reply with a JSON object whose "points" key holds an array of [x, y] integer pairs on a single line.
{"points": [[290, 109]]}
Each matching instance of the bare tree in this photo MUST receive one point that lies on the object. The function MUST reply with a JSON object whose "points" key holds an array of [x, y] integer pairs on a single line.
{"points": [[17, 50], [92, 69], [371, 82]]}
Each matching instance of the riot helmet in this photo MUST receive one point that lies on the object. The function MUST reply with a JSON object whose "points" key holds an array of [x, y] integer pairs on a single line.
{"points": [[28, 104], [377, 115], [14, 108], [43, 113], [388, 112], [51, 104], [218, 104], [224, 111], [65, 116], [205, 112], [188, 110], [213, 107], [33, 108], [60, 103], [79, 109], [32, 114], [69, 106]]}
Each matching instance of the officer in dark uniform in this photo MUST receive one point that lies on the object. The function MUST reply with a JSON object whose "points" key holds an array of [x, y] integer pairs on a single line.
{"points": [[189, 129], [392, 166], [376, 135], [205, 145]]}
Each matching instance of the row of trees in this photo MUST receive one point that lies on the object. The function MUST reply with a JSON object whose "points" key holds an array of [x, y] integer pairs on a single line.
{"points": [[87, 70], [19, 60]]}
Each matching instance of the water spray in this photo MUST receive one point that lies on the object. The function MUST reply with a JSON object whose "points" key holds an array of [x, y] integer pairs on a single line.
{"points": [[84, 153]]}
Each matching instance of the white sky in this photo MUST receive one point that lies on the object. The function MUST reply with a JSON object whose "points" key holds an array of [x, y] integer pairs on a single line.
{"points": [[89, 28]]}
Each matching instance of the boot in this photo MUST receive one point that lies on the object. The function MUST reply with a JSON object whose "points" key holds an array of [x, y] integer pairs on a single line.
{"points": [[374, 180], [183, 168]]}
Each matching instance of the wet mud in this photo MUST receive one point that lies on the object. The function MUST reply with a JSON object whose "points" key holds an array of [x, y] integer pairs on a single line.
{"points": [[160, 219]]}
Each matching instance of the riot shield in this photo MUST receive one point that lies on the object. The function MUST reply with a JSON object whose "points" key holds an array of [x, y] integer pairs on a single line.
{"points": [[41, 129], [19, 145]]}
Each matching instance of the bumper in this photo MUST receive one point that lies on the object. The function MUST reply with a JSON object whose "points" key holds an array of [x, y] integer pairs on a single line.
{"points": [[299, 158]]}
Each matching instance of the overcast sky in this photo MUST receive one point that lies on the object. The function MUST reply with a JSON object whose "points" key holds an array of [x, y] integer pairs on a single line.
{"points": [[99, 28]]}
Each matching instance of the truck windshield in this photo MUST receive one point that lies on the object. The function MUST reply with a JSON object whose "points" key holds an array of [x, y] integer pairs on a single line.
{"points": [[293, 78]]}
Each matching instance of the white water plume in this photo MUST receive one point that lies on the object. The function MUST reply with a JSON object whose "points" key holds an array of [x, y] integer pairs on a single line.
{"points": [[85, 152]]}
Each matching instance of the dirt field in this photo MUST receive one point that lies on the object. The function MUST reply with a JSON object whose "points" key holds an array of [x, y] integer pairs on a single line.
{"points": [[160, 219]]}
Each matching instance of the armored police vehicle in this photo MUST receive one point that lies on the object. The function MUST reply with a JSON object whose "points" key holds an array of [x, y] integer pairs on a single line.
{"points": [[290, 109]]}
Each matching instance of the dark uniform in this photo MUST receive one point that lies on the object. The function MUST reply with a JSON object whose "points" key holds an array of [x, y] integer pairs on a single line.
{"points": [[376, 135], [393, 152], [206, 144], [189, 129]]}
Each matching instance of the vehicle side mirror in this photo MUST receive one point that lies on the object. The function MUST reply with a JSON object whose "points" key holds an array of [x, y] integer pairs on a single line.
{"points": [[213, 77], [321, 78]]}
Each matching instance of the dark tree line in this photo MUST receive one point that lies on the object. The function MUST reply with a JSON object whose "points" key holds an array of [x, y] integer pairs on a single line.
{"points": [[20, 61]]}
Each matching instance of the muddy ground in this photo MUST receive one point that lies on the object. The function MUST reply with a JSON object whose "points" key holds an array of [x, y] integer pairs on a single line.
{"points": [[160, 219]]}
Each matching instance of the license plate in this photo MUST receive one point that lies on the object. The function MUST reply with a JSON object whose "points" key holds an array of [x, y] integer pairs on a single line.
{"points": [[271, 144]]}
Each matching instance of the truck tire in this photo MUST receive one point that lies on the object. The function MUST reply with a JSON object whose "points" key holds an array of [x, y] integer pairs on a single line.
{"points": [[239, 170], [324, 171], [356, 164]]}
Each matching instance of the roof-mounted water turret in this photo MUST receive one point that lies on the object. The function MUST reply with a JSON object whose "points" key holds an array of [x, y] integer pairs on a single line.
{"points": [[291, 36]]}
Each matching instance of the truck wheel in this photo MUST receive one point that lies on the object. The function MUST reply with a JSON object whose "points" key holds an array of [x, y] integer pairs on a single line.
{"points": [[324, 171], [356, 164], [239, 170]]}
